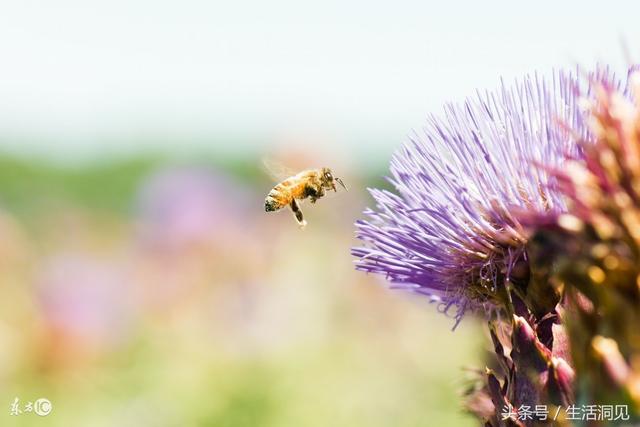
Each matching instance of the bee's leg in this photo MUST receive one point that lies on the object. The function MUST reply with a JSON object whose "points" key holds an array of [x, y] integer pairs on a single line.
{"points": [[314, 193], [311, 192], [298, 213]]}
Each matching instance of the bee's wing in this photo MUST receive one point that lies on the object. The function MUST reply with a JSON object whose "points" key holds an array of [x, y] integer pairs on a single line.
{"points": [[276, 170]]}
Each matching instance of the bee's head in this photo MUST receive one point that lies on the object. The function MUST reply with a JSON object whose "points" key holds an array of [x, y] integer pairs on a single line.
{"points": [[329, 181]]}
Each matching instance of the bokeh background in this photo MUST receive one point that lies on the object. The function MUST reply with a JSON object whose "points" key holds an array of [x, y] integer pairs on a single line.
{"points": [[143, 285]]}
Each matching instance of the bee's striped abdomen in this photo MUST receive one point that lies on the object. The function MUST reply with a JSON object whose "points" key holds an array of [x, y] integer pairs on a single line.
{"points": [[270, 204], [278, 197]]}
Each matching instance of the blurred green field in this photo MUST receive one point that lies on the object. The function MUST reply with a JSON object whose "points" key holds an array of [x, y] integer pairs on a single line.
{"points": [[152, 292]]}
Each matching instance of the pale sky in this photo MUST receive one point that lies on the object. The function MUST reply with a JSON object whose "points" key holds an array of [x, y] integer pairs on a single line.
{"points": [[85, 76]]}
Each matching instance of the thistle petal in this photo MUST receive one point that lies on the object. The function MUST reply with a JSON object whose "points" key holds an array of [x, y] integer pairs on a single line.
{"points": [[450, 232]]}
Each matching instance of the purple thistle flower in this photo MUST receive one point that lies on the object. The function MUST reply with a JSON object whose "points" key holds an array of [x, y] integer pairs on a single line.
{"points": [[450, 233]]}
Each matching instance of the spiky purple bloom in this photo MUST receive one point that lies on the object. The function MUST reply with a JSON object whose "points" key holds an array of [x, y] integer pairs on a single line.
{"points": [[450, 231]]}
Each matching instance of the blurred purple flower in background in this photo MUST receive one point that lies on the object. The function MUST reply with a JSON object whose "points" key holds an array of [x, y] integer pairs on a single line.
{"points": [[184, 206], [450, 232], [85, 300], [195, 227]]}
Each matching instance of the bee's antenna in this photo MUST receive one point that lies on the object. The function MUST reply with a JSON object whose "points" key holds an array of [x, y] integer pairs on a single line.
{"points": [[341, 183]]}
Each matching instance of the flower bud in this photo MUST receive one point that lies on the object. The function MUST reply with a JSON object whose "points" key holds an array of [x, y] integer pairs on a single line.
{"points": [[528, 352]]}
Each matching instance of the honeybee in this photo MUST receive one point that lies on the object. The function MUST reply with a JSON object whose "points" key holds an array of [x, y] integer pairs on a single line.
{"points": [[310, 183]]}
